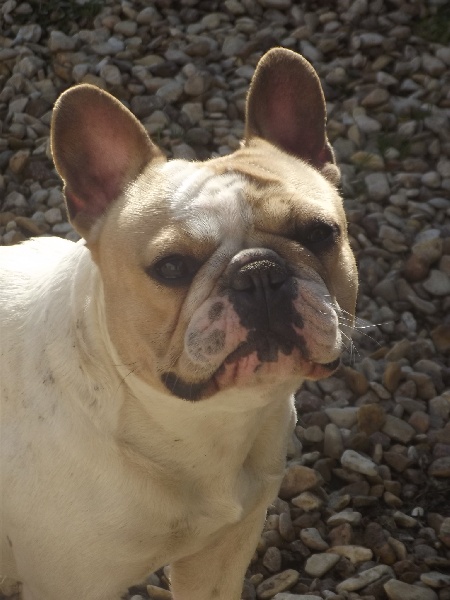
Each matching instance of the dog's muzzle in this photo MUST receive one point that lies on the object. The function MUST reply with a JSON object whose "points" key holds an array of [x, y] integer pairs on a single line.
{"points": [[261, 290], [260, 321]]}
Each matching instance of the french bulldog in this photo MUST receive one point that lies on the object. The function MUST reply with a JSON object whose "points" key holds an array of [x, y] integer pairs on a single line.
{"points": [[148, 370]]}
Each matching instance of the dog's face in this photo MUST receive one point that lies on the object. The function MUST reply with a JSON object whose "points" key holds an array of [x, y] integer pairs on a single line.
{"points": [[227, 273]]}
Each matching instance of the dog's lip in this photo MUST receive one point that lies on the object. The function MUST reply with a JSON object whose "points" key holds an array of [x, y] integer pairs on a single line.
{"points": [[246, 348], [333, 365], [314, 370], [210, 386], [264, 341], [323, 370]]}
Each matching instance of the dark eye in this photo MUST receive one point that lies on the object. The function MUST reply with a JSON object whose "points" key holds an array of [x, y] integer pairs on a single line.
{"points": [[318, 236], [174, 270]]}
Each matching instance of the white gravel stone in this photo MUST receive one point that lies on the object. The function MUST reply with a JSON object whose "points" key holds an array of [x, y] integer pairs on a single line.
{"points": [[368, 40], [195, 85], [298, 479], [310, 52], [111, 74], [444, 54], [438, 283], [433, 65], [277, 583], [184, 151], [377, 186], [15, 200], [194, 111], [126, 28], [171, 91], [311, 537], [272, 559], [345, 516], [399, 590], [398, 430], [319, 564], [428, 245], [232, 45], [357, 462], [355, 554], [364, 578], [432, 179], [367, 124], [307, 501], [333, 445], [109, 48], [443, 167], [60, 42], [435, 579], [342, 417], [53, 216]]}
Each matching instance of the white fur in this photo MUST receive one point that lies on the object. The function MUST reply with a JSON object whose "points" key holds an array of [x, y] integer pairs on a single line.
{"points": [[213, 207], [104, 480]]}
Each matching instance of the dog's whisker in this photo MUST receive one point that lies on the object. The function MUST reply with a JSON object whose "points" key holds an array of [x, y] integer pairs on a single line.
{"points": [[351, 349]]}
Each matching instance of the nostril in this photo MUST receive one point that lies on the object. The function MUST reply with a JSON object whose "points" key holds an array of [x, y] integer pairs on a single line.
{"points": [[277, 275], [242, 281], [257, 274]]}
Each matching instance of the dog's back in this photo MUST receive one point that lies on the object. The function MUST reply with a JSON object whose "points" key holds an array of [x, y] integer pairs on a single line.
{"points": [[27, 283]]}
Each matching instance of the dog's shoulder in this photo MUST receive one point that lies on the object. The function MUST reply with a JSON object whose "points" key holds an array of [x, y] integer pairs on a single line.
{"points": [[26, 267], [33, 257], [35, 281]]}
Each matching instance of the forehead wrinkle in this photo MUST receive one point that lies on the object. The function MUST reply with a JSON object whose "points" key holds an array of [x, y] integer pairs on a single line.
{"points": [[208, 205], [221, 210]]}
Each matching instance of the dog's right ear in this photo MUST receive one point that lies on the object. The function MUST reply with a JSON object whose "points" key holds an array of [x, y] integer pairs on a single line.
{"points": [[286, 107], [98, 147]]}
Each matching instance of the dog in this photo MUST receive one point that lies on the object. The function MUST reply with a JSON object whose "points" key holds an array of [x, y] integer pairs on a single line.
{"points": [[148, 370]]}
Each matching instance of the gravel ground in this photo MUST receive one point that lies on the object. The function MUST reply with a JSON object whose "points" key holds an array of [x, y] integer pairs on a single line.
{"points": [[364, 510]]}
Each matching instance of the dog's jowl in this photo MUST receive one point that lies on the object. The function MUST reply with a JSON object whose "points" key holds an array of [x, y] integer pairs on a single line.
{"points": [[147, 372]]}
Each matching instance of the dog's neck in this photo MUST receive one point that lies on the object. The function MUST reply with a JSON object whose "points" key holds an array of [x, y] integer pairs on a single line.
{"points": [[198, 435], [222, 428]]}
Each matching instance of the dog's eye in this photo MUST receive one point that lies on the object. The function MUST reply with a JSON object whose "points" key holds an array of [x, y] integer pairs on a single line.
{"points": [[320, 233], [174, 269], [318, 236]]}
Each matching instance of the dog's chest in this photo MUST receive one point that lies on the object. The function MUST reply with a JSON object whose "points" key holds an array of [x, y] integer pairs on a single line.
{"points": [[204, 474], [175, 516]]}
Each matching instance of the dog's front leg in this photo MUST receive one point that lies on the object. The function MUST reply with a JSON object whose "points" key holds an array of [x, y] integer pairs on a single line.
{"points": [[217, 571]]}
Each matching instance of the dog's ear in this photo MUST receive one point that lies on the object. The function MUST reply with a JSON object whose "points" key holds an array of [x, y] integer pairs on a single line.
{"points": [[98, 147], [286, 106]]}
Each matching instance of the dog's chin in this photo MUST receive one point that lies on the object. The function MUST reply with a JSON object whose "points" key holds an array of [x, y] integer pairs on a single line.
{"points": [[245, 368]]}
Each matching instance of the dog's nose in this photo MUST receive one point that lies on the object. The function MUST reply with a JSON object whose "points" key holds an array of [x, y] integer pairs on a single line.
{"points": [[265, 273], [261, 289], [257, 269]]}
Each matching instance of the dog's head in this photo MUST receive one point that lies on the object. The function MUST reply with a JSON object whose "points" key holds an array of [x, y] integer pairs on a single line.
{"points": [[225, 273]]}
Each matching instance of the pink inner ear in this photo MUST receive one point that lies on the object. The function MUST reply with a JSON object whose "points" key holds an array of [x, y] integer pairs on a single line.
{"points": [[98, 147], [109, 153], [104, 156], [95, 178], [286, 107], [293, 130]]}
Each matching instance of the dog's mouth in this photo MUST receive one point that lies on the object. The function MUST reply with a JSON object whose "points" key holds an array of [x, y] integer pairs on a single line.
{"points": [[261, 356]]}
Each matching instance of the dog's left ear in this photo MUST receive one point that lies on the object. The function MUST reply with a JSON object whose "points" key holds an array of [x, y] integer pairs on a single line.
{"points": [[98, 147], [286, 107]]}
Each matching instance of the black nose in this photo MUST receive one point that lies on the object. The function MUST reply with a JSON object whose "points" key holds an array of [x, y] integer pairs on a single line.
{"points": [[265, 273], [261, 285], [262, 288]]}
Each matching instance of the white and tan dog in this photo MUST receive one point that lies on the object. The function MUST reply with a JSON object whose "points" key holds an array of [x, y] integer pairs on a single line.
{"points": [[147, 372]]}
